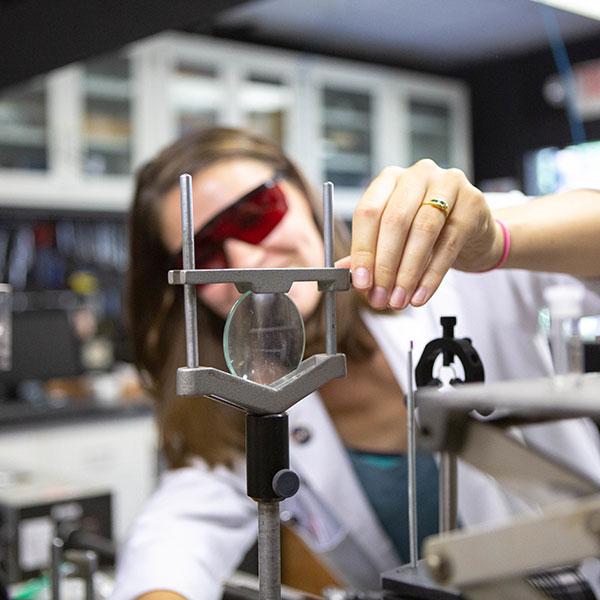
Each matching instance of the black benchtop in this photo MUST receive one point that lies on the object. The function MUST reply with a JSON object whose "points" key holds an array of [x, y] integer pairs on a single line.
{"points": [[22, 414]]}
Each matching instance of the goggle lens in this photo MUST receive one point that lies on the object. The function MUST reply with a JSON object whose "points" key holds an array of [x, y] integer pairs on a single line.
{"points": [[250, 219]]}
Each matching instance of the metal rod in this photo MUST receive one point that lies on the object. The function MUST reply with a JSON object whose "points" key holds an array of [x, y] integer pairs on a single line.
{"points": [[269, 551], [91, 568], [412, 463], [330, 318], [189, 263], [55, 563], [448, 494]]}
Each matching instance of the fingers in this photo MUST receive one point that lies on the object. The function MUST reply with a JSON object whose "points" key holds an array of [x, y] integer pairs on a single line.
{"points": [[421, 246], [469, 215], [402, 249], [443, 256], [365, 226], [396, 236]]}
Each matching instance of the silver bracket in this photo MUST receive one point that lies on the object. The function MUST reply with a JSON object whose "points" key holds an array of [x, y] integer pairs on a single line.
{"points": [[329, 279], [257, 398]]}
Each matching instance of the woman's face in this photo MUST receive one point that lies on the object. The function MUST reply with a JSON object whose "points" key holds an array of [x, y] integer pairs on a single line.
{"points": [[295, 241]]}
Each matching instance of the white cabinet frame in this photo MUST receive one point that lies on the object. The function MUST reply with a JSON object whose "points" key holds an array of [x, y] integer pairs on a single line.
{"points": [[154, 122]]}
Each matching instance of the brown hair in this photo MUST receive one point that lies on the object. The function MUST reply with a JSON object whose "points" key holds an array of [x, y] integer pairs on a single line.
{"points": [[191, 426]]}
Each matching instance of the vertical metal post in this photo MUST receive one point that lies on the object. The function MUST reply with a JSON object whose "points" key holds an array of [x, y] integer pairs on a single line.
{"points": [[189, 263], [330, 318], [412, 462], [448, 493], [91, 567], [5, 327], [56, 556], [269, 551]]}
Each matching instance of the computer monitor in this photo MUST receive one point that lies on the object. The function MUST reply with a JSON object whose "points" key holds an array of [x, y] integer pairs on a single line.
{"points": [[550, 170], [44, 346]]}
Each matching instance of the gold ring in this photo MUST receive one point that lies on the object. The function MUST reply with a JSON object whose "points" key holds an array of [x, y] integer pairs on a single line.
{"points": [[438, 203]]}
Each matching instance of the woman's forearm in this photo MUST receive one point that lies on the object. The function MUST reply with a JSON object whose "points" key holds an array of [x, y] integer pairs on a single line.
{"points": [[558, 233]]}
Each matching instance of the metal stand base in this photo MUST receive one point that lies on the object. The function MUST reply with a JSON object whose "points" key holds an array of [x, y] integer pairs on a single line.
{"points": [[414, 583]]}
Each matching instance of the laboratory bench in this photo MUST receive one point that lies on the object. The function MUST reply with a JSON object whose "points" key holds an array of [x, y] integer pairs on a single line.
{"points": [[106, 445], [15, 414]]}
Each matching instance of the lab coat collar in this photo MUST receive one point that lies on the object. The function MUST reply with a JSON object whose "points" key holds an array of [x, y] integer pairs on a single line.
{"points": [[322, 463]]}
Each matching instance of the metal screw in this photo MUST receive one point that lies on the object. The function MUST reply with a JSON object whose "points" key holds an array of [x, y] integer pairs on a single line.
{"points": [[439, 567]]}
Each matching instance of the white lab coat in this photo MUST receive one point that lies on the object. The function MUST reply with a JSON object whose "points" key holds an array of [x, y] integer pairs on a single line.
{"points": [[199, 523]]}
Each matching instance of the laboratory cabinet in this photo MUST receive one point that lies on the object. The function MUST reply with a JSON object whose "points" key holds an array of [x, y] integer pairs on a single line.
{"points": [[74, 137], [67, 139], [116, 453]]}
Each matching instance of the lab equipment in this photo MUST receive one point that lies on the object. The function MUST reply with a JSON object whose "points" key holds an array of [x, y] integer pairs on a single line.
{"points": [[31, 504], [264, 337], [521, 558], [41, 333], [269, 479], [570, 500], [412, 462], [5, 327], [77, 552], [449, 348], [413, 578], [565, 306], [78, 563]]}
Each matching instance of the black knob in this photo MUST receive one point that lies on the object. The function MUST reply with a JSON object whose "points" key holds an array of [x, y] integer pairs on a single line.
{"points": [[286, 483]]}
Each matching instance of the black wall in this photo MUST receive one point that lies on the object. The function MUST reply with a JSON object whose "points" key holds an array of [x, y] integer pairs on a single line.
{"points": [[37, 36], [510, 115]]}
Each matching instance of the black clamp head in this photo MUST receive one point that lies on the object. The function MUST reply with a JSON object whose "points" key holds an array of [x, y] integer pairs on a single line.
{"points": [[450, 347]]}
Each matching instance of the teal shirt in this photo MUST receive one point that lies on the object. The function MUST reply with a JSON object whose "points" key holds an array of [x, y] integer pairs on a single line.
{"points": [[384, 478]]}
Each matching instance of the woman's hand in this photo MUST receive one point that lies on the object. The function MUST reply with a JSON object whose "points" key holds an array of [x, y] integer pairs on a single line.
{"points": [[401, 249]]}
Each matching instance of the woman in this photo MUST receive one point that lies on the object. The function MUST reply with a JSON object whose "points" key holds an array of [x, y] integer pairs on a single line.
{"points": [[347, 441]]}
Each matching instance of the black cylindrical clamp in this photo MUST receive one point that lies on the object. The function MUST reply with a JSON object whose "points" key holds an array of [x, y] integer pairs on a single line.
{"points": [[268, 474]]}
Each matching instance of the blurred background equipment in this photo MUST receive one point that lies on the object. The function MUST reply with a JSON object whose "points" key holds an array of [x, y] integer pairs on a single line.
{"points": [[66, 270], [5, 327], [44, 347], [32, 506]]}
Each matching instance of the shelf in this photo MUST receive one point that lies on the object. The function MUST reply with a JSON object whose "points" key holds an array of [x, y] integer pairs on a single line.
{"points": [[107, 88], [347, 162], [195, 94], [24, 136], [116, 145], [95, 193], [264, 97], [347, 119], [429, 125]]}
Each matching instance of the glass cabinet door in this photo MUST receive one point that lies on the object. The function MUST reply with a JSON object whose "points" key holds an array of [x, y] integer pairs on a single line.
{"points": [[265, 104], [346, 136], [430, 132], [196, 96], [106, 127], [24, 127]]}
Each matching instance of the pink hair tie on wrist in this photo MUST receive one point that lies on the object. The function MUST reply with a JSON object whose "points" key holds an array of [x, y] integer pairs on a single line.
{"points": [[505, 248]]}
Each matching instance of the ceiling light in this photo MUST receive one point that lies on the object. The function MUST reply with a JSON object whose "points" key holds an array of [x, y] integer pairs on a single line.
{"points": [[587, 8]]}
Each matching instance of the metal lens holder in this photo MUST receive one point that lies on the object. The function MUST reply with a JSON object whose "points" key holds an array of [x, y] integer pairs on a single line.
{"points": [[268, 477]]}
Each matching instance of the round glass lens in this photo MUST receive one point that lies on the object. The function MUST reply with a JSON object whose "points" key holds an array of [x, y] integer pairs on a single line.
{"points": [[264, 337]]}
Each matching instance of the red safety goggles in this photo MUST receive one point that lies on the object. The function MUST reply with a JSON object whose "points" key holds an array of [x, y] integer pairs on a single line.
{"points": [[249, 219]]}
